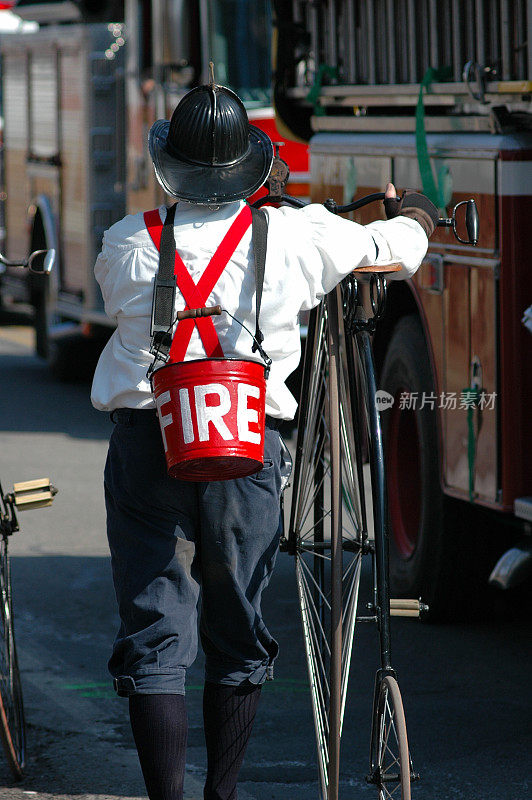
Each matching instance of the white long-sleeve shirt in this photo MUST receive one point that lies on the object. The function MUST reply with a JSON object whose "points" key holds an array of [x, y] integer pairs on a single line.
{"points": [[309, 251]]}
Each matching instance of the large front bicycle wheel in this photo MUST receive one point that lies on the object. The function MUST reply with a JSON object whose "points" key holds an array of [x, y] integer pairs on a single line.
{"points": [[12, 725], [390, 759], [328, 530]]}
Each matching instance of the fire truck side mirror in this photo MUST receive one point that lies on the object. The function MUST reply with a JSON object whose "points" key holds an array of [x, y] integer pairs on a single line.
{"points": [[48, 261]]}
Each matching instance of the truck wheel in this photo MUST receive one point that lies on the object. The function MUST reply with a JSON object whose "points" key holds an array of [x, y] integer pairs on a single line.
{"points": [[73, 358], [70, 356], [42, 315], [44, 290], [415, 498]]}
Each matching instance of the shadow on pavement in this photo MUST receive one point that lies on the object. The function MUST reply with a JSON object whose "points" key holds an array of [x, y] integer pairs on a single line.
{"points": [[49, 405]]}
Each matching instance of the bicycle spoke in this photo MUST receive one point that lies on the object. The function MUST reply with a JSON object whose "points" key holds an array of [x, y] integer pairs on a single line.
{"points": [[387, 727], [314, 496], [322, 595], [348, 466], [353, 563], [315, 455], [316, 637], [314, 552], [311, 442], [312, 629], [307, 483], [321, 686], [319, 703], [350, 607], [318, 381], [313, 528], [318, 372]]}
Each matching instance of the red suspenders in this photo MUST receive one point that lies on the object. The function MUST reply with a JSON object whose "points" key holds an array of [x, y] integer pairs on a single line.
{"points": [[195, 295]]}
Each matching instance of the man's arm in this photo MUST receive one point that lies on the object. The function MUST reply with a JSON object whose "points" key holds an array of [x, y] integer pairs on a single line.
{"points": [[403, 237]]}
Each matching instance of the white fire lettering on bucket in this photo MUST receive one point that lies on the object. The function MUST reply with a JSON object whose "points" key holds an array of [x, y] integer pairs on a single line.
{"points": [[245, 415], [214, 414], [186, 416], [167, 419]]}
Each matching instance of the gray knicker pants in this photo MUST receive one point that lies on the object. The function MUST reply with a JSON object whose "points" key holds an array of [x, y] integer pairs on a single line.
{"points": [[171, 539]]}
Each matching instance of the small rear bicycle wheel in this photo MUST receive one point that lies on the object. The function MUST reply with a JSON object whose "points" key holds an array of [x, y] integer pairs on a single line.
{"points": [[390, 759], [12, 724]]}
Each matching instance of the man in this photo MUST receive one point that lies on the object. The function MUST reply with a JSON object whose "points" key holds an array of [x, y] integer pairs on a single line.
{"points": [[169, 539]]}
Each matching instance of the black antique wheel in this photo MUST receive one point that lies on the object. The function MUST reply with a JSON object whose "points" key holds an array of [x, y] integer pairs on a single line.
{"points": [[12, 725]]}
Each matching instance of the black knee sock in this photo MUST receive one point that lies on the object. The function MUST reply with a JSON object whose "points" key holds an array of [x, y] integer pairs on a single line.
{"points": [[228, 714], [159, 724]]}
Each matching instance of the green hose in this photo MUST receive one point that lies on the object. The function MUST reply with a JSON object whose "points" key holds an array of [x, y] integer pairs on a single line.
{"points": [[324, 70], [472, 393], [438, 190]]}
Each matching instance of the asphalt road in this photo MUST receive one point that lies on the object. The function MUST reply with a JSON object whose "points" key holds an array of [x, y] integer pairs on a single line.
{"points": [[466, 688]]}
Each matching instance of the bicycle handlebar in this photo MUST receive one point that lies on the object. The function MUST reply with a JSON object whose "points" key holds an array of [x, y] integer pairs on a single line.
{"points": [[329, 204], [471, 217]]}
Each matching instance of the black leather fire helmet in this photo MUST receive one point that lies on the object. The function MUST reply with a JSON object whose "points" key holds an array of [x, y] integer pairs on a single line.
{"points": [[208, 152]]}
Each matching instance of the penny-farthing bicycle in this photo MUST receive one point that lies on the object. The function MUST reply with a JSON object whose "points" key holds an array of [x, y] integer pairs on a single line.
{"points": [[339, 455]]}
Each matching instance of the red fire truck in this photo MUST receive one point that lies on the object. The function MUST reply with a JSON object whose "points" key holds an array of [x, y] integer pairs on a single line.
{"points": [[79, 95], [436, 96]]}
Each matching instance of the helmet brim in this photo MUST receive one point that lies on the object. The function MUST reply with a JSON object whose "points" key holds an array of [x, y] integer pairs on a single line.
{"points": [[210, 184]]}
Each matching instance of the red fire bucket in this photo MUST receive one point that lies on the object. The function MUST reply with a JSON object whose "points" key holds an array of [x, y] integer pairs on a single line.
{"points": [[212, 415]]}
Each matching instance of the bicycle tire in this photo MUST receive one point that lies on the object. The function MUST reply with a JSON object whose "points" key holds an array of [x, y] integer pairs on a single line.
{"points": [[390, 762], [329, 485], [12, 722]]}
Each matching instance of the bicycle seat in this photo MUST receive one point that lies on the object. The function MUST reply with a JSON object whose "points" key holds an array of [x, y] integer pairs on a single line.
{"points": [[378, 268]]}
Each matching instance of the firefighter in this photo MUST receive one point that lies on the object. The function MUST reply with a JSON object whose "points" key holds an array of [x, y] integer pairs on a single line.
{"points": [[168, 539]]}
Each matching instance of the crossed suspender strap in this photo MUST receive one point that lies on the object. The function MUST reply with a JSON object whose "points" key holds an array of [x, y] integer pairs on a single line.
{"points": [[172, 271]]}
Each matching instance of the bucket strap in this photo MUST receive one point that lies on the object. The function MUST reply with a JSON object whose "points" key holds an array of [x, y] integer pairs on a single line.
{"points": [[196, 295], [260, 240], [162, 309]]}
